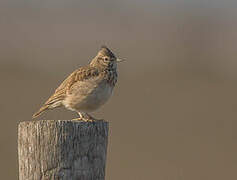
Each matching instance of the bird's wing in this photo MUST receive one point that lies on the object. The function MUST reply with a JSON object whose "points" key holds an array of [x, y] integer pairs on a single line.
{"points": [[80, 74]]}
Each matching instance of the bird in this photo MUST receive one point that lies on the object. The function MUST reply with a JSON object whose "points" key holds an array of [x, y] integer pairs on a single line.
{"points": [[87, 88]]}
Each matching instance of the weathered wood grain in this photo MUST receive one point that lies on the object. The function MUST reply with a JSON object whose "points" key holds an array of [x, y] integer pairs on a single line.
{"points": [[62, 150]]}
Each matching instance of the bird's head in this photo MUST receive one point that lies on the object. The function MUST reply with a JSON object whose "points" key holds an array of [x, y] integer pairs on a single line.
{"points": [[105, 59]]}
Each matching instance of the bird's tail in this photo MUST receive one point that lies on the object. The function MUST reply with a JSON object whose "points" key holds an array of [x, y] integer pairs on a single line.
{"points": [[42, 109]]}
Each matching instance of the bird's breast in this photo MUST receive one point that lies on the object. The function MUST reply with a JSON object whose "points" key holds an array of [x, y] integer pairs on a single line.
{"points": [[89, 95]]}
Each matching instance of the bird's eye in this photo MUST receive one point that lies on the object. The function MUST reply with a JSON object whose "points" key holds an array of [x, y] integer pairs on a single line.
{"points": [[106, 59]]}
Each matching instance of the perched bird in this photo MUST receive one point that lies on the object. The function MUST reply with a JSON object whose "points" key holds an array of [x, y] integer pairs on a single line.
{"points": [[87, 88]]}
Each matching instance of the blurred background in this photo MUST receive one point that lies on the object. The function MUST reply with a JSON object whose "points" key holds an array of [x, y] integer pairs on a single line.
{"points": [[173, 113]]}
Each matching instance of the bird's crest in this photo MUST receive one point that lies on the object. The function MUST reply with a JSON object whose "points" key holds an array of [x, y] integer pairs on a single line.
{"points": [[105, 51]]}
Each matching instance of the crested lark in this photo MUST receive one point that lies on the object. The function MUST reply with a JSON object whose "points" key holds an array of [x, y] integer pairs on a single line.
{"points": [[87, 88]]}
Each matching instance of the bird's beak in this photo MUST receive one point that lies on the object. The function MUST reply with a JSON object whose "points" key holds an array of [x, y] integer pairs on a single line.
{"points": [[119, 60]]}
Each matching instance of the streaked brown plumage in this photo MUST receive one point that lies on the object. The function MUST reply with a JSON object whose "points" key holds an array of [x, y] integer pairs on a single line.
{"points": [[87, 88]]}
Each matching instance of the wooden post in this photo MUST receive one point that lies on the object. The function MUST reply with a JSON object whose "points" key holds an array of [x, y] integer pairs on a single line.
{"points": [[62, 150]]}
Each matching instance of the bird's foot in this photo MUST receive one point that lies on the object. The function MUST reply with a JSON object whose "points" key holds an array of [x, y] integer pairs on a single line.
{"points": [[78, 119], [86, 118]]}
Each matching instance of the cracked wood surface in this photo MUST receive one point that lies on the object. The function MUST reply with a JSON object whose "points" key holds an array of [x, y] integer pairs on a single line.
{"points": [[62, 150]]}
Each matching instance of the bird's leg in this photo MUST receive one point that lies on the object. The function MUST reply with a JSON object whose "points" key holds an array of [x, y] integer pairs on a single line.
{"points": [[81, 118], [85, 117]]}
